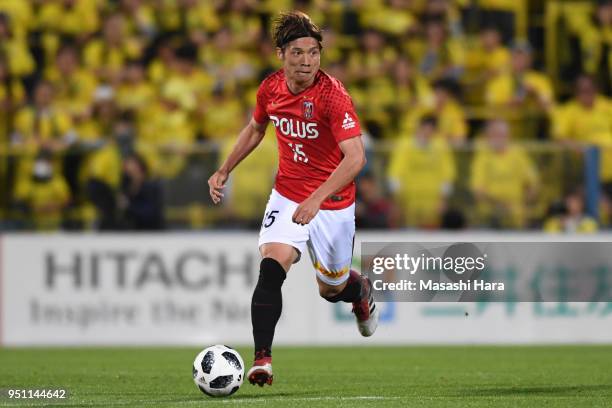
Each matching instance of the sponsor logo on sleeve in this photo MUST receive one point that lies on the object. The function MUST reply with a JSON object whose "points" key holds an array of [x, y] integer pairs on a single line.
{"points": [[348, 122]]}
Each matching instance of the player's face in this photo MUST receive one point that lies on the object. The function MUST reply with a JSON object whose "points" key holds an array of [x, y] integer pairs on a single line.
{"points": [[301, 59]]}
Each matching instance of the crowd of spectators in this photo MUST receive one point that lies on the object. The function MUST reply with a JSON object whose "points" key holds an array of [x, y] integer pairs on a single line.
{"points": [[103, 104]]}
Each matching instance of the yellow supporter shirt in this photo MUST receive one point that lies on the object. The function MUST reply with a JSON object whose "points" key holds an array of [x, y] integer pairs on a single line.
{"points": [[450, 54], [498, 60], [20, 14], [135, 97], [47, 125], [593, 39], [375, 99], [370, 64], [73, 94], [250, 183], [577, 16], [245, 29], [16, 93], [502, 89], [585, 225], [593, 48], [507, 5], [197, 82], [223, 118], [589, 126], [104, 164], [98, 54], [170, 127], [158, 71], [17, 53], [272, 6], [419, 93], [31, 129], [88, 130], [226, 65], [55, 21], [389, 20], [172, 17], [82, 18], [45, 199], [205, 17], [421, 174], [503, 176], [142, 21], [493, 62], [168, 14], [165, 140], [452, 124]]}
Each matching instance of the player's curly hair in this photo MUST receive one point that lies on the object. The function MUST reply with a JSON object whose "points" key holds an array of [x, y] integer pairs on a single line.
{"points": [[292, 25]]}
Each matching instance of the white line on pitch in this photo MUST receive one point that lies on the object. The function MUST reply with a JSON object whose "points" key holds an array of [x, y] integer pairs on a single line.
{"points": [[263, 399], [266, 399]]}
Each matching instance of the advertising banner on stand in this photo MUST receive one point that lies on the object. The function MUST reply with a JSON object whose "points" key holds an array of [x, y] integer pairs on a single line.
{"points": [[195, 289]]}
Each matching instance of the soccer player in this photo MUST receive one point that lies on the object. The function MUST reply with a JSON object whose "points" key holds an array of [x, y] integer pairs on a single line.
{"points": [[312, 204]]}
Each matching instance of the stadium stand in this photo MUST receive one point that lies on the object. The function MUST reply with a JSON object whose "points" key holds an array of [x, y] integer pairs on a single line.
{"points": [[478, 111]]}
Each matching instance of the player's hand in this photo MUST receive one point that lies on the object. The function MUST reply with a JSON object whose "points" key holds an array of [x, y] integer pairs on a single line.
{"points": [[306, 211], [216, 183]]}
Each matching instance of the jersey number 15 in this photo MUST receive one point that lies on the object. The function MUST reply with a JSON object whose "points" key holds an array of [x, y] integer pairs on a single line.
{"points": [[298, 154]]}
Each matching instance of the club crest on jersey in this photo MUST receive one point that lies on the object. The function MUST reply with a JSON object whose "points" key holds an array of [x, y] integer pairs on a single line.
{"points": [[308, 109]]}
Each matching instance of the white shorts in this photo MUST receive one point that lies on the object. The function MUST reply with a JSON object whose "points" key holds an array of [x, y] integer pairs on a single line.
{"points": [[329, 236]]}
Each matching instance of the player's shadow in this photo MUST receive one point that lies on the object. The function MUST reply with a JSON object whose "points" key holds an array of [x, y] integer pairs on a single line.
{"points": [[239, 396], [550, 390], [186, 400], [262, 396]]}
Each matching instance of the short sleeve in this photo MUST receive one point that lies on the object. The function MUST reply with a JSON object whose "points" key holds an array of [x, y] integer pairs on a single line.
{"points": [[260, 115], [340, 113]]}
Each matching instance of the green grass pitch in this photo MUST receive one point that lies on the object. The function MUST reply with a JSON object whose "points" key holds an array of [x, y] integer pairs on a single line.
{"points": [[472, 376]]}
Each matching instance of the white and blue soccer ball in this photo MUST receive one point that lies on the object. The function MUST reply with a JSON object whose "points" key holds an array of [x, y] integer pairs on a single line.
{"points": [[218, 371]]}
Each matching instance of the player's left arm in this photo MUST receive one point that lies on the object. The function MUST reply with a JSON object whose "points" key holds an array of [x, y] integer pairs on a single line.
{"points": [[353, 161]]}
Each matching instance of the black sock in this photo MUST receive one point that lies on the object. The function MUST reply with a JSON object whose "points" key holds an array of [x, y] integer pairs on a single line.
{"points": [[266, 304], [352, 290]]}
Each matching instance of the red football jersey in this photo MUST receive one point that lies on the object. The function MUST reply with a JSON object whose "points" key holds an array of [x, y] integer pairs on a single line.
{"points": [[309, 127]]}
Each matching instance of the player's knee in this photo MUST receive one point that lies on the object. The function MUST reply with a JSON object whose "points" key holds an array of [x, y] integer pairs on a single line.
{"points": [[329, 292], [271, 274]]}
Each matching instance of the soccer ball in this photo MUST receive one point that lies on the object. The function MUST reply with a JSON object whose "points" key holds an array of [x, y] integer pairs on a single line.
{"points": [[218, 371]]}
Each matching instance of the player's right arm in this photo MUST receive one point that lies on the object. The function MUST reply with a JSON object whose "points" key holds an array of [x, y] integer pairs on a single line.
{"points": [[247, 141]]}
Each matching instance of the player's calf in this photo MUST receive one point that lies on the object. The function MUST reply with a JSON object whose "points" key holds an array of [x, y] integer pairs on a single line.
{"points": [[266, 307], [359, 292], [350, 292]]}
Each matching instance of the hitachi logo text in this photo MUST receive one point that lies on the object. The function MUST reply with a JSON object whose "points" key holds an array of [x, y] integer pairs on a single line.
{"points": [[295, 128]]}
